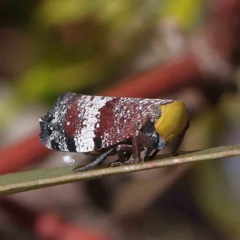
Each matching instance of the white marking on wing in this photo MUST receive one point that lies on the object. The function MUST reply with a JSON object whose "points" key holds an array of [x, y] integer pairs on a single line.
{"points": [[84, 142]]}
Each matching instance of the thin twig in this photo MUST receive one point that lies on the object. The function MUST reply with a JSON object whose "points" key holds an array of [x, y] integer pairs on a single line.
{"points": [[24, 181]]}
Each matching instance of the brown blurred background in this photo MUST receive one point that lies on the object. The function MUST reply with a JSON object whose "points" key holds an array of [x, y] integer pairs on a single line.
{"points": [[184, 49]]}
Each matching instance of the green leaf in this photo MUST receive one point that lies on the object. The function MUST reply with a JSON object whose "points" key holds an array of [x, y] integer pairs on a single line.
{"points": [[24, 181]]}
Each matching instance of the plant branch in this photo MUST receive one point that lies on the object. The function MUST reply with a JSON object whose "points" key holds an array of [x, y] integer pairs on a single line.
{"points": [[24, 181]]}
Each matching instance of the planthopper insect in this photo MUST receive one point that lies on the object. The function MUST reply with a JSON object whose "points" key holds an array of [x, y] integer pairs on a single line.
{"points": [[105, 126]]}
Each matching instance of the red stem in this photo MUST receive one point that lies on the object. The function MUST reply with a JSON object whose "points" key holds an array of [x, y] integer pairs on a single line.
{"points": [[22, 154], [160, 80]]}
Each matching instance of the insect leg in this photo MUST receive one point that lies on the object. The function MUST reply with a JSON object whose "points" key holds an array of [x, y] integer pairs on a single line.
{"points": [[124, 152], [151, 143], [158, 144], [156, 151], [96, 162], [179, 140], [153, 155], [136, 150], [147, 155], [122, 149]]}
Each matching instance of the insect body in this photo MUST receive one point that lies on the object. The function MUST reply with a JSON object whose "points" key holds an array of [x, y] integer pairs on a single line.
{"points": [[113, 125]]}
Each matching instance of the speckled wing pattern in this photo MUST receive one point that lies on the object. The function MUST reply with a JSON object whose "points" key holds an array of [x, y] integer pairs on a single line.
{"points": [[83, 123]]}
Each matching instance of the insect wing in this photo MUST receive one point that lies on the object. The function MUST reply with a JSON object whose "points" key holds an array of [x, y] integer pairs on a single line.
{"points": [[117, 122], [85, 123], [52, 133]]}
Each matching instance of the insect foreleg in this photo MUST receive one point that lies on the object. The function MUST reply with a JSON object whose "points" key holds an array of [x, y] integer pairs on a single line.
{"points": [[96, 162], [150, 142], [179, 140], [147, 155], [153, 155], [158, 144]]}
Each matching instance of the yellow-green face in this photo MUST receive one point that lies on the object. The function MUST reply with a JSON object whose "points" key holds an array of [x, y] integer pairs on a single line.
{"points": [[173, 120]]}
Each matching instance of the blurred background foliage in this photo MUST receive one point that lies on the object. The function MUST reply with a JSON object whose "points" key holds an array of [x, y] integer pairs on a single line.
{"points": [[77, 45], [51, 47]]}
